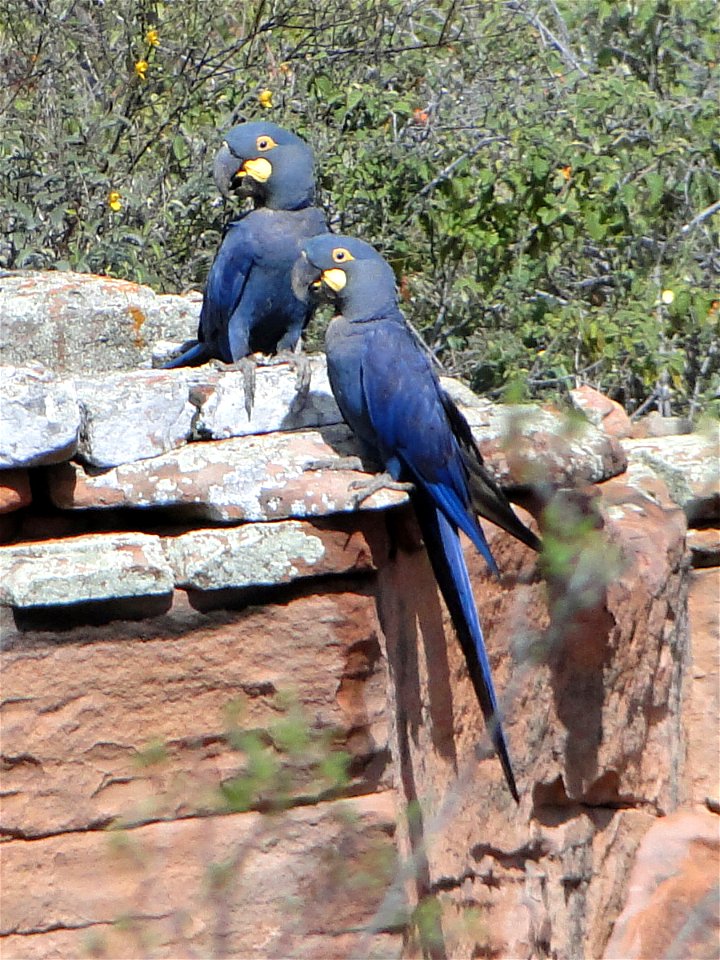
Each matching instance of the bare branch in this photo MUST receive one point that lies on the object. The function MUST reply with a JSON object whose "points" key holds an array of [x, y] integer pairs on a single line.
{"points": [[445, 173], [532, 18], [703, 215]]}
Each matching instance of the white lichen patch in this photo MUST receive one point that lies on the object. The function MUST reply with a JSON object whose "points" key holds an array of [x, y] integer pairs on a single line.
{"points": [[251, 555], [99, 566]]}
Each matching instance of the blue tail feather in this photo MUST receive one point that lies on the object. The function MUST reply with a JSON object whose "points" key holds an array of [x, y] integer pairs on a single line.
{"points": [[444, 549]]}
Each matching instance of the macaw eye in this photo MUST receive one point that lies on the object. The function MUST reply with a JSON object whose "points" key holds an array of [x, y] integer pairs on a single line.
{"points": [[265, 142], [341, 255]]}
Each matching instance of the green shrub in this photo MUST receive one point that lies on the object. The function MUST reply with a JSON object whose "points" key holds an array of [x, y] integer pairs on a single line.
{"points": [[542, 175]]}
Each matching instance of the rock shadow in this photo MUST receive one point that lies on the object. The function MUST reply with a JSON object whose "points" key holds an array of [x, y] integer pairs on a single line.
{"points": [[410, 614]]}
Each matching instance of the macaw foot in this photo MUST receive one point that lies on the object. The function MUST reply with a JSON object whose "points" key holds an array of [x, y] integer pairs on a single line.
{"points": [[383, 481], [247, 366]]}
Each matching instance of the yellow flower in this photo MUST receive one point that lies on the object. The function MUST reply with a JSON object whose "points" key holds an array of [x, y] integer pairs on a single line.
{"points": [[152, 37], [114, 201], [667, 296], [265, 98], [566, 171], [141, 69]]}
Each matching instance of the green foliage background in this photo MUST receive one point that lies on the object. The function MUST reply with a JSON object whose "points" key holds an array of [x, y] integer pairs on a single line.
{"points": [[537, 171]]}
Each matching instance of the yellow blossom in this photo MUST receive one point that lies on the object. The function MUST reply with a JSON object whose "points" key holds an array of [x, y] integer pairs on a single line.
{"points": [[152, 37], [265, 98], [141, 69], [667, 296], [114, 201], [566, 171]]}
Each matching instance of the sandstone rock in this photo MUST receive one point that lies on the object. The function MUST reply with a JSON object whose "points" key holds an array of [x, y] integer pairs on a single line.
{"points": [[132, 416], [39, 417], [136, 414], [189, 885], [277, 405], [263, 554], [602, 411], [704, 547], [634, 630], [702, 703], [267, 477], [656, 425], [78, 569], [14, 490], [80, 718], [77, 323], [672, 904], [690, 465], [529, 445]]}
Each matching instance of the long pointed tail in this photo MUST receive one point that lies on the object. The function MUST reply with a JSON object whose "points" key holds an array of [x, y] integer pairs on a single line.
{"points": [[194, 356], [442, 542]]}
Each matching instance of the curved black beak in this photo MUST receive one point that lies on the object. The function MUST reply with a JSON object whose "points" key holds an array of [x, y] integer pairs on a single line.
{"points": [[305, 277], [225, 170]]}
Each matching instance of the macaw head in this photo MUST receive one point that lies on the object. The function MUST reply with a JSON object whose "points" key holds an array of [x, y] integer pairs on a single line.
{"points": [[267, 163], [348, 272]]}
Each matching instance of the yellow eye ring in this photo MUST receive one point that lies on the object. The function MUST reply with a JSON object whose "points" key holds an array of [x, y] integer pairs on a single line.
{"points": [[265, 142], [341, 255]]}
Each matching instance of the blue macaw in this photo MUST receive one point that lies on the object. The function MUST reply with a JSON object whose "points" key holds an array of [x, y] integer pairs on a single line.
{"points": [[389, 393], [249, 304]]}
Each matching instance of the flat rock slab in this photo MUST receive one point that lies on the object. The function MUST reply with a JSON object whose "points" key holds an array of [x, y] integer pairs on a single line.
{"points": [[263, 554], [690, 466], [103, 566], [81, 569], [77, 323], [278, 404], [132, 416], [269, 477], [139, 414], [39, 417], [528, 445]]}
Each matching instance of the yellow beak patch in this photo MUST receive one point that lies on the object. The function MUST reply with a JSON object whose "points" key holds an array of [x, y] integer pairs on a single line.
{"points": [[259, 169], [334, 278]]}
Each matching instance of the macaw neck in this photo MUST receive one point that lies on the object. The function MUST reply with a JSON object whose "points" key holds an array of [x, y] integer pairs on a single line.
{"points": [[384, 309], [287, 200]]}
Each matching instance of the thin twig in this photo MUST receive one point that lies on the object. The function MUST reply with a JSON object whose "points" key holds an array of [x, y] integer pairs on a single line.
{"points": [[703, 215], [644, 405], [549, 36], [446, 171]]}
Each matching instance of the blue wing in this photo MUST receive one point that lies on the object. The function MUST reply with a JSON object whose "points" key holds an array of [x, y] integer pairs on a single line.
{"points": [[228, 278], [406, 407], [226, 283]]}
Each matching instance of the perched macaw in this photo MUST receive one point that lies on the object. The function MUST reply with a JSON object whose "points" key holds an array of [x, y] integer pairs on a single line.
{"points": [[249, 305], [389, 393]]}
